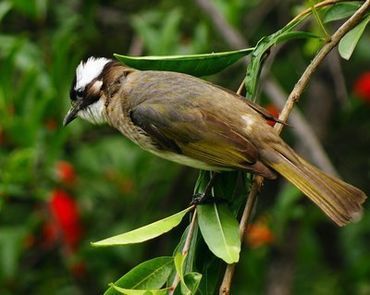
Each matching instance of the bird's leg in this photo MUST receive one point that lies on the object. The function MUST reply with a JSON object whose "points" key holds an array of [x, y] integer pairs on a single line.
{"points": [[205, 197]]}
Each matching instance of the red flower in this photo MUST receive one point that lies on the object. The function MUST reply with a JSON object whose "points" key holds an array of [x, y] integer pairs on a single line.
{"points": [[362, 87], [51, 124], [66, 218], [259, 234], [66, 172], [273, 110], [78, 269]]}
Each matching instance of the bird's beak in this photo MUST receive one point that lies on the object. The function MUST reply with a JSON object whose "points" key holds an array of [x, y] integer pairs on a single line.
{"points": [[72, 114]]}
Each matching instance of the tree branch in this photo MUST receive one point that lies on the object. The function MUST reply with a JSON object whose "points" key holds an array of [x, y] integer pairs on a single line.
{"points": [[252, 197], [306, 76], [301, 126], [185, 249], [292, 99]]}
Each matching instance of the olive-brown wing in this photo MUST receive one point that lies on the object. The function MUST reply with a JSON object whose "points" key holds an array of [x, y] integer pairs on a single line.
{"points": [[198, 134]]}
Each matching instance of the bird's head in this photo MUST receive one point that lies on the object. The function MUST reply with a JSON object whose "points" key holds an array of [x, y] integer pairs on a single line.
{"points": [[88, 101]]}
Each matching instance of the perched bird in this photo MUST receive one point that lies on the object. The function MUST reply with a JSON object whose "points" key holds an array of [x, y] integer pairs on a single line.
{"points": [[193, 122]]}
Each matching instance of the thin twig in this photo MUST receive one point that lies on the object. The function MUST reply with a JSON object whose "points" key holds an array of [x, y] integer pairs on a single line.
{"points": [[315, 149], [306, 76], [318, 5], [189, 236], [219, 21], [185, 249], [292, 99], [252, 197], [240, 88]]}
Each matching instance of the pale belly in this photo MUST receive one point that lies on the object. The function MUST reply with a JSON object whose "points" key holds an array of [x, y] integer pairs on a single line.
{"points": [[184, 160], [131, 132]]}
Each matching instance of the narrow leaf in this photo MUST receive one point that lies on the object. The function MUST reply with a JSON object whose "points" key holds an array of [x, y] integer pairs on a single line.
{"points": [[140, 292], [151, 274], [192, 281], [202, 181], [260, 52], [340, 11], [296, 35], [146, 232], [349, 41], [196, 64], [189, 262], [179, 265], [220, 231]]}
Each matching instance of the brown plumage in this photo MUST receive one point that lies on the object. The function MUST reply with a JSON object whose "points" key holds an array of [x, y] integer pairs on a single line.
{"points": [[196, 123]]}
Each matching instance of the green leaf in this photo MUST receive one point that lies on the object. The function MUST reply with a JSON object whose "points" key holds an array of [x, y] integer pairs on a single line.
{"points": [[189, 285], [179, 265], [340, 11], [151, 274], [196, 64], [189, 262], [140, 292], [146, 232], [349, 41], [5, 7], [192, 281], [220, 231], [261, 50], [202, 181], [296, 35], [213, 269]]}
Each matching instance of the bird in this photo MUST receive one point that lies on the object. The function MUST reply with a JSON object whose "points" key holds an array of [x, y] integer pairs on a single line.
{"points": [[193, 122]]}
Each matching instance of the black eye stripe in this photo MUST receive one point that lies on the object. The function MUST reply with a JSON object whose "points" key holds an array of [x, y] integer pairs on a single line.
{"points": [[89, 100], [72, 91]]}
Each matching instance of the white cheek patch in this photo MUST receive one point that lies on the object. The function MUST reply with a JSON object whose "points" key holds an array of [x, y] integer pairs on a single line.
{"points": [[97, 86], [94, 113]]}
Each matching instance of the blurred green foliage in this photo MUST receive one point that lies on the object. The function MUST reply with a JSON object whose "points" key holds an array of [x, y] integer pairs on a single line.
{"points": [[117, 186]]}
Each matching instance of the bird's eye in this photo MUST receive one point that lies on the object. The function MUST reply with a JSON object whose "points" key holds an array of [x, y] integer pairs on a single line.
{"points": [[79, 93]]}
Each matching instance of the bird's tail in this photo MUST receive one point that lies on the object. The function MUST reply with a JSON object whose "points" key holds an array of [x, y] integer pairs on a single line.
{"points": [[339, 200]]}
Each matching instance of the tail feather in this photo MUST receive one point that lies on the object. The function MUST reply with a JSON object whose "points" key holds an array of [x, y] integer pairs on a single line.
{"points": [[339, 200]]}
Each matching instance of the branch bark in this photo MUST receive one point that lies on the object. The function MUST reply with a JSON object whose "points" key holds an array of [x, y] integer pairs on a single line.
{"points": [[306, 76], [185, 249], [292, 99], [235, 40]]}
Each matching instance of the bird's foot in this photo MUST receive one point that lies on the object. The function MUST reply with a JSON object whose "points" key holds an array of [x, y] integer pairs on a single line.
{"points": [[202, 199]]}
